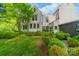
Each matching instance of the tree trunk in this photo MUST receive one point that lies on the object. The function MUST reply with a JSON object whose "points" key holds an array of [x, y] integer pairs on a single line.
{"points": [[28, 26]]}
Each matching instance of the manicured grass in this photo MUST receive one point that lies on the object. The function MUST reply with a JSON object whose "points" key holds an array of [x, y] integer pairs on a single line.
{"points": [[19, 46]]}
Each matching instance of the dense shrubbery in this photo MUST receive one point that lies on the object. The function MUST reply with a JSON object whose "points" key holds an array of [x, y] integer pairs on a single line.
{"points": [[39, 33], [76, 37], [72, 42], [73, 51], [55, 41], [57, 51], [32, 33], [8, 34], [62, 35]]}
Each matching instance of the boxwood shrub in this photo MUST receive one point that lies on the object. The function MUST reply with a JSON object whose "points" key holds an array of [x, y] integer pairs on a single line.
{"points": [[73, 51], [8, 34], [72, 42], [61, 35], [57, 51], [55, 41]]}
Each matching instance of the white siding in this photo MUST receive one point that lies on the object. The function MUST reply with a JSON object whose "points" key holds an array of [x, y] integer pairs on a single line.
{"points": [[67, 13]]}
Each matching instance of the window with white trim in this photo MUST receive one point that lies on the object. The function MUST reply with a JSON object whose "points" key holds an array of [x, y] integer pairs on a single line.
{"points": [[37, 25]]}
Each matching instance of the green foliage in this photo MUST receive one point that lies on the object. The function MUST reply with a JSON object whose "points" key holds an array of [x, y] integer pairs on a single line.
{"points": [[46, 40], [47, 34], [20, 11], [57, 51], [76, 37], [20, 46], [8, 34], [46, 37], [61, 35], [73, 51], [72, 42], [32, 33], [55, 41]]}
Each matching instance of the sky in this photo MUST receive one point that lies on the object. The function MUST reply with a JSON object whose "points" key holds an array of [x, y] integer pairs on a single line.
{"points": [[49, 8]]}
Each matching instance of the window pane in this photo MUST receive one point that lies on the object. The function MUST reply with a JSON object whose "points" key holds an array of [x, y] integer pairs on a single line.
{"points": [[56, 27], [24, 26], [35, 17], [46, 20], [34, 26], [37, 25], [30, 25], [77, 27], [34, 9]]}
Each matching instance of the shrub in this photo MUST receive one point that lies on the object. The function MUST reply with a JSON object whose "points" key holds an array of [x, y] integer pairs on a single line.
{"points": [[47, 34], [73, 51], [55, 41], [46, 40], [76, 37], [57, 51], [32, 33], [8, 34], [62, 35], [72, 42]]}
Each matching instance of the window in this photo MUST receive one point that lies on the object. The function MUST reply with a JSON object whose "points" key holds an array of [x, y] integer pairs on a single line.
{"points": [[37, 25], [57, 15], [30, 25], [34, 26], [34, 17], [34, 9], [47, 28], [51, 28], [24, 27], [77, 27], [47, 20], [55, 27]]}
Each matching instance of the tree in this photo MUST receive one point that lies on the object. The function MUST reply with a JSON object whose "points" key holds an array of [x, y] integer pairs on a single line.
{"points": [[20, 11]]}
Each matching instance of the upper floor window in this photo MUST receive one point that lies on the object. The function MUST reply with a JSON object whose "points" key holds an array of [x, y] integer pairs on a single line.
{"points": [[57, 15], [34, 9], [34, 18]]}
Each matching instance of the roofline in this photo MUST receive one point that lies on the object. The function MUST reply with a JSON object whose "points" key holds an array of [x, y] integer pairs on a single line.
{"points": [[36, 8], [69, 22]]}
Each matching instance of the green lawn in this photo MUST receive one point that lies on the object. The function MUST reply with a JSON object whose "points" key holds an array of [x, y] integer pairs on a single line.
{"points": [[21, 45]]}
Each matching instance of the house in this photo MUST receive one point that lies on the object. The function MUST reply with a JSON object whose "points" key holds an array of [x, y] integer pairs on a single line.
{"points": [[39, 22], [67, 19]]}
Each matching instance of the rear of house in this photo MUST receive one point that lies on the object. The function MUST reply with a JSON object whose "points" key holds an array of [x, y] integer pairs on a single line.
{"points": [[39, 22]]}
